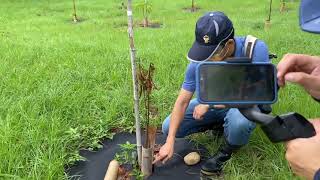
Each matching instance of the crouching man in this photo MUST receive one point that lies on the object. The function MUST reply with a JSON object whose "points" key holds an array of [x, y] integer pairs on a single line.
{"points": [[214, 41]]}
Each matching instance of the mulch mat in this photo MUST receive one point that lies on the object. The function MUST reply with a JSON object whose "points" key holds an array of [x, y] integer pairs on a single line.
{"points": [[95, 167]]}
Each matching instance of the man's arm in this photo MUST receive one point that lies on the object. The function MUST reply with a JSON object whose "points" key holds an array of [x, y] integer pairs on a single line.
{"points": [[177, 115], [178, 112]]}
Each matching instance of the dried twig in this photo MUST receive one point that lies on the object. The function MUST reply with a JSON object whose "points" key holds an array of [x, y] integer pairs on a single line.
{"points": [[146, 85]]}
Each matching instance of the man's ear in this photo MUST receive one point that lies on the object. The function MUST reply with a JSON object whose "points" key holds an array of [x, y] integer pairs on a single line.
{"points": [[226, 52], [230, 48]]}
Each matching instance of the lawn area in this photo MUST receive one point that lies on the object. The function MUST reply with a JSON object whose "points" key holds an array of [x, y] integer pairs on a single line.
{"points": [[65, 86]]}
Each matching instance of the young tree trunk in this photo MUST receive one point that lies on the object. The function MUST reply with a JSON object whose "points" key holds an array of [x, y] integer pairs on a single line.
{"points": [[145, 14], [267, 23], [134, 79], [152, 131], [75, 18], [192, 6], [145, 22], [270, 10]]}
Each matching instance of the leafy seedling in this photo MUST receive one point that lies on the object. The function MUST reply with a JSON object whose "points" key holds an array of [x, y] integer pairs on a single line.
{"points": [[146, 8]]}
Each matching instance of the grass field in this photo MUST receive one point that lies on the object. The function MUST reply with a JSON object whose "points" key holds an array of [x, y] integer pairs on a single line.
{"points": [[64, 86]]}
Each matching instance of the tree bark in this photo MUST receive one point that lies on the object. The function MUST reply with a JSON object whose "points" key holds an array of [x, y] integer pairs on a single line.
{"points": [[134, 80]]}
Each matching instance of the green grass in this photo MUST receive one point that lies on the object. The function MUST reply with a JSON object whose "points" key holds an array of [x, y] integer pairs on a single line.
{"points": [[64, 86]]}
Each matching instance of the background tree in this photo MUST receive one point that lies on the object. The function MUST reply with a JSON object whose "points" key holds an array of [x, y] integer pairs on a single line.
{"points": [[268, 20], [192, 6], [74, 16], [146, 8], [282, 5]]}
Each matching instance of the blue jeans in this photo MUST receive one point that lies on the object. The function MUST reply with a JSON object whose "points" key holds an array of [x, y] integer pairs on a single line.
{"points": [[237, 129]]}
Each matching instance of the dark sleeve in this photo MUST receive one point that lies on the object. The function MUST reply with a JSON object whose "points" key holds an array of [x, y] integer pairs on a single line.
{"points": [[317, 175], [189, 83]]}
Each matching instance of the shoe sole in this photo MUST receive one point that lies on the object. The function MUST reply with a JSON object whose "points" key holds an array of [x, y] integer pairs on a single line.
{"points": [[205, 175]]}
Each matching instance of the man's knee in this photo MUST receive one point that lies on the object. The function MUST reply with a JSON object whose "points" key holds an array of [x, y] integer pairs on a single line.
{"points": [[165, 125], [238, 122], [237, 128]]}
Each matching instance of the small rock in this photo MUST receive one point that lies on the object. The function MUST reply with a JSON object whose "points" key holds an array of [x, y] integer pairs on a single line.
{"points": [[192, 158]]}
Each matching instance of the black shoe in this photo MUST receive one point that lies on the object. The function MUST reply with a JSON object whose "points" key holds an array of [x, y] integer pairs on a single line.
{"points": [[215, 164], [265, 108]]}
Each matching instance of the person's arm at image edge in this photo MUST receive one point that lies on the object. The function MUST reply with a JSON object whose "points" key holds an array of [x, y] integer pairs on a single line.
{"points": [[303, 154]]}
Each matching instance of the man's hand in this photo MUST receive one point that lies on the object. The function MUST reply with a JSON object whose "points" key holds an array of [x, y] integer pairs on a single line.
{"points": [[303, 154], [301, 69], [165, 153], [199, 111], [180, 106]]}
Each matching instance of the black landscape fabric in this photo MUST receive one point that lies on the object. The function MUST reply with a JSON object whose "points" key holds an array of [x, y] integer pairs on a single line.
{"points": [[95, 167]]}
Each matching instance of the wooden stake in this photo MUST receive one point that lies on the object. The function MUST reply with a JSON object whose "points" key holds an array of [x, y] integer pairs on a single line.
{"points": [[134, 79]]}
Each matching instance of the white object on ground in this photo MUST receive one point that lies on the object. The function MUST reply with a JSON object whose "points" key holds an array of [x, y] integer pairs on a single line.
{"points": [[112, 172], [192, 158]]}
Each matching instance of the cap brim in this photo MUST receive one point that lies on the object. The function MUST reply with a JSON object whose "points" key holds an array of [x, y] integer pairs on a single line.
{"points": [[200, 52]]}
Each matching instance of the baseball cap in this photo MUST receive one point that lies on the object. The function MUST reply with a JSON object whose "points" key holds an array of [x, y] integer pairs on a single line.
{"points": [[212, 30]]}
